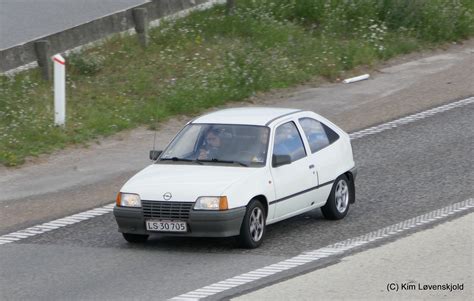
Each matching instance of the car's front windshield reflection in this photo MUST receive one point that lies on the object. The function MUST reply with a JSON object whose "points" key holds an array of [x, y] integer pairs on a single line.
{"points": [[241, 145]]}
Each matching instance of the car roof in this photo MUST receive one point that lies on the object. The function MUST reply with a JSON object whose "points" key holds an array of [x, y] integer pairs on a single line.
{"points": [[245, 116]]}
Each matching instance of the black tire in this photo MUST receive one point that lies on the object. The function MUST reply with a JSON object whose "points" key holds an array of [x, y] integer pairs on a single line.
{"points": [[337, 205], [135, 238], [251, 237]]}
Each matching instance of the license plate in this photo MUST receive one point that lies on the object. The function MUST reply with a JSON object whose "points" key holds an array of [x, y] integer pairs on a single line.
{"points": [[166, 226]]}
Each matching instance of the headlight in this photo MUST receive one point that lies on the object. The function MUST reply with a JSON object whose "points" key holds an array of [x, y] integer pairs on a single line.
{"points": [[128, 200], [211, 203]]}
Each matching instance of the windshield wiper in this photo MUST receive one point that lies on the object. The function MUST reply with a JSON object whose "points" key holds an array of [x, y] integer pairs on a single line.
{"points": [[225, 161], [180, 159]]}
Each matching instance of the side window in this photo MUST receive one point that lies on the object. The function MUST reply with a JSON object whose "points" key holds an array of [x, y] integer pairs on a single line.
{"points": [[317, 134], [332, 136], [288, 142]]}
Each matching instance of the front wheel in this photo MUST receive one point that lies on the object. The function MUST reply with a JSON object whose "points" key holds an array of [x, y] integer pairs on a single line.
{"points": [[252, 230], [338, 202], [135, 238]]}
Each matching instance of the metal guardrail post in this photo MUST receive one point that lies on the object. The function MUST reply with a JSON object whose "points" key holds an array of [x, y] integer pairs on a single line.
{"points": [[230, 7], [140, 17], [42, 49]]}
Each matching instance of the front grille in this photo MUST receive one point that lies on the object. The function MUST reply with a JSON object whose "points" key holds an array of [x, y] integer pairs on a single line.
{"points": [[166, 210]]}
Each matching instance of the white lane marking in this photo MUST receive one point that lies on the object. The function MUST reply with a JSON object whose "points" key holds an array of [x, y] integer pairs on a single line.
{"points": [[56, 224], [83, 215], [86, 215], [334, 249], [8, 238], [208, 290], [246, 277], [47, 228], [220, 287], [411, 118]]}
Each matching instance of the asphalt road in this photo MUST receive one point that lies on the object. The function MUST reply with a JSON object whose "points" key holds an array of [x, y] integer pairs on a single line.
{"points": [[25, 20], [403, 172]]}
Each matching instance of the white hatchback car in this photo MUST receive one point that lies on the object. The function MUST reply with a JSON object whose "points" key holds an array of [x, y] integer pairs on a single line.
{"points": [[235, 171]]}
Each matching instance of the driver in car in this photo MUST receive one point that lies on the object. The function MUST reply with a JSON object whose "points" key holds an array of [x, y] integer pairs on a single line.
{"points": [[212, 147]]}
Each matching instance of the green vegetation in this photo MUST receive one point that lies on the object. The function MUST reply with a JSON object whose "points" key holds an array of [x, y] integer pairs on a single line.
{"points": [[208, 59]]}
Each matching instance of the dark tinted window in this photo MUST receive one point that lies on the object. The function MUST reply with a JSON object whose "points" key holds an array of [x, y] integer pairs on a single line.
{"points": [[288, 142], [318, 134], [332, 136]]}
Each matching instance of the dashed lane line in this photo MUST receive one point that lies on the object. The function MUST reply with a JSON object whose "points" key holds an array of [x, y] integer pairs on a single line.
{"points": [[411, 118], [56, 224]]}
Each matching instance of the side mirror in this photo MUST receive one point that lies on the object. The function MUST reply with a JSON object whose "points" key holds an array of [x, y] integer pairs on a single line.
{"points": [[279, 160], [154, 154]]}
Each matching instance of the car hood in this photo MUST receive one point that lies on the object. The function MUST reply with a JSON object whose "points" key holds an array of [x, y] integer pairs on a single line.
{"points": [[184, 182]]}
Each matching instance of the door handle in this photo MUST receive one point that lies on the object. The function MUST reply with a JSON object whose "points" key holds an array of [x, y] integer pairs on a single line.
{"points": [[311, 166]]}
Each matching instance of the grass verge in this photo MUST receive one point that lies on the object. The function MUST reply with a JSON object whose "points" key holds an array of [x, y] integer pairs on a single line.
{"points": [[208, 58]]}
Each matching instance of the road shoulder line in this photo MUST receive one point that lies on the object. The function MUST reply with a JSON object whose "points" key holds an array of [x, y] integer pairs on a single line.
{"points": [[330, 250]]}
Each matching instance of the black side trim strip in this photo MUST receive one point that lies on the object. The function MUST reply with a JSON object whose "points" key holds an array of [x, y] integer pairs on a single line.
{"points": [[298, 111], [300, 192]]}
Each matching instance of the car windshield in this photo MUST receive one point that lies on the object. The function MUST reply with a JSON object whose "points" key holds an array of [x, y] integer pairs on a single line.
{"points": [[242, 145]]}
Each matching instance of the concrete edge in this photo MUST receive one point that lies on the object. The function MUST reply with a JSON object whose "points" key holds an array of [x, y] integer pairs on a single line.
{"points": [[23, 56]]}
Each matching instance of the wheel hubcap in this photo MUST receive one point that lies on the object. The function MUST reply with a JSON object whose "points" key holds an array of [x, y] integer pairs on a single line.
{"points": [[342, 196], [256, 224]]}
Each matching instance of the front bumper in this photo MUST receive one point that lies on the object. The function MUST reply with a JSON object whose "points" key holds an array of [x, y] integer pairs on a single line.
{"points": [[200, 223]]}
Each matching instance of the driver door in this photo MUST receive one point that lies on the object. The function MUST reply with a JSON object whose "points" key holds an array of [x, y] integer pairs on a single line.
{"points": [[292, 182]]}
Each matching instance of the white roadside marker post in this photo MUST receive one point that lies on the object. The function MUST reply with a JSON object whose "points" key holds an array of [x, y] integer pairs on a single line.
{"points": [[59, 90]]}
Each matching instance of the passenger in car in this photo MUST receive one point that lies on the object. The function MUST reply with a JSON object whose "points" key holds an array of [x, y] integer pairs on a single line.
{"points": [[260, 153]]}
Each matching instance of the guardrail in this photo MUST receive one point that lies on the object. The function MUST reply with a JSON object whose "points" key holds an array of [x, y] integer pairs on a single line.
{"points": [[40, 50]]}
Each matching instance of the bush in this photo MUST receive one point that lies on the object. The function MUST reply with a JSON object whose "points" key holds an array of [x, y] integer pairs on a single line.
{"points": [[86, 63], [429, 20]]}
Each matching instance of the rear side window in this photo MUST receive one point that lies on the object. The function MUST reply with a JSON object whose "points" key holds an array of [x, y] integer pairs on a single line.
{"points": [[332, 136], [288, 142], [319, 135]]}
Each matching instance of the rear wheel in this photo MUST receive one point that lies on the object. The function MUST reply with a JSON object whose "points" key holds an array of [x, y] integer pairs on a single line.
{"points": [[252, 230], [338, 202], [135, 238]]}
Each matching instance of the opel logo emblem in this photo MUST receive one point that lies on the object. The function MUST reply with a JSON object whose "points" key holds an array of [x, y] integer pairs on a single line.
{"points": [[167, 196]]}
